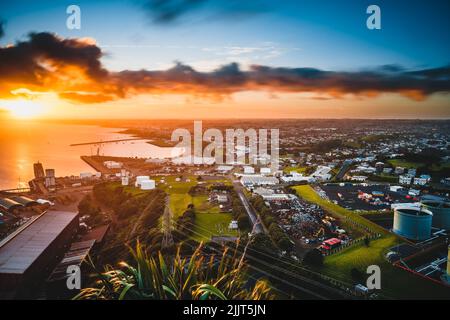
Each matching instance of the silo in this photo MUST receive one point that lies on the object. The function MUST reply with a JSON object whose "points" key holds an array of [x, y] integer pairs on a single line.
{"points": [[412, 222], [446, 276], [441, 212], [139, 180], [448, 263], [148, 185]]}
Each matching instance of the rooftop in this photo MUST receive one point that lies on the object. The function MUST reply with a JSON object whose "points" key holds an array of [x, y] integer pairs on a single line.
{"points": [[18, 252]]}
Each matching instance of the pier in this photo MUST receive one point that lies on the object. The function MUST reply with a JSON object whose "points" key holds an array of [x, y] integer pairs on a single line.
{"points": [[102, 142]]}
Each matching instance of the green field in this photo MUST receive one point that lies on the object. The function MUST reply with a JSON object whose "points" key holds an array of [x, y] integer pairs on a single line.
{"points": [[396, 283], [212, 224], [295, 169], [405, 164], [209, 220]]}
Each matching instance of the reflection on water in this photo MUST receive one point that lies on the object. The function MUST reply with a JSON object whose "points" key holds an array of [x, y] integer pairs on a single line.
{"points": [[23, 143]]}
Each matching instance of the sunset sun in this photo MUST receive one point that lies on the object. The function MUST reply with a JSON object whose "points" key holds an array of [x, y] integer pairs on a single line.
{"points": [[24, 109]]}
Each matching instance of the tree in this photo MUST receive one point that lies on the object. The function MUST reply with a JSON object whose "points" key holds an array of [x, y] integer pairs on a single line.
{"points": [[313, 258], [284, 244], [243, 221], [366, 241], [356, 275]]}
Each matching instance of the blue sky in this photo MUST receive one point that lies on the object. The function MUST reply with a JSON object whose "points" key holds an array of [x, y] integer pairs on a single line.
{"points": [[316, 58], [330, 35]]}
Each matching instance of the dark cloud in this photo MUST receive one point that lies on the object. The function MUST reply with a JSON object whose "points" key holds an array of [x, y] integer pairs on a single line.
{"points": [[167, 11], [170, 11], [2, 28], [72, 69], [45, 59]]}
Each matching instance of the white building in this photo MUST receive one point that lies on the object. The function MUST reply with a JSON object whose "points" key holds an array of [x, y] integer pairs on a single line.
{"points": [[249, 170], [50, 180], [233, 225], [156, 160], [86, 175], [358, 178], [224, 169], [422, 180], [258, 180], [414, 192], [297, 177], [263, 191], [405, 179], [395, 188], [139, 180], [276, 197], [222, 198], [148, 184], [125, 181], [112, 164], [322, 173], [399, 170], [265, 171]]}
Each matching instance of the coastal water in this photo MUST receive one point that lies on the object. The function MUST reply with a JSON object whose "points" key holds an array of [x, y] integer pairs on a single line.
{"points": [[23, 143]]}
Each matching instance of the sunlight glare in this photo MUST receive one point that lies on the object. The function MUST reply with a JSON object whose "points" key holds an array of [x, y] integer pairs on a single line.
{"points": [[24, 109]]}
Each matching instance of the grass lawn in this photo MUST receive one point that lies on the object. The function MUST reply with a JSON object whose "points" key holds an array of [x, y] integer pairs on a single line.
{"points": [[202, 205], [295, 169], [405, 164], [395, 283], [212, 224], [209, 221]]}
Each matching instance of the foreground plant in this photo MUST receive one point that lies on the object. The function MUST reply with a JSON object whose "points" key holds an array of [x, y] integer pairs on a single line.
{"points": [[197, 277]]}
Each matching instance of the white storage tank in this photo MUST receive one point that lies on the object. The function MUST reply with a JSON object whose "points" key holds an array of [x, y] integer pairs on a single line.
{"points": [[412, 222], [139, 180], [148, 184]]}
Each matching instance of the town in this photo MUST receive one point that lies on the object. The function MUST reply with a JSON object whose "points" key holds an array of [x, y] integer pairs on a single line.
{"points": [[347, 194]]}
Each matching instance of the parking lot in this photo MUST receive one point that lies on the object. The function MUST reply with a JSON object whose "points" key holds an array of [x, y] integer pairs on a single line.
{"points": [[364, 197]]}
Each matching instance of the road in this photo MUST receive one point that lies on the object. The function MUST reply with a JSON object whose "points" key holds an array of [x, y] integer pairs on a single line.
{"points": [[257, 226]]}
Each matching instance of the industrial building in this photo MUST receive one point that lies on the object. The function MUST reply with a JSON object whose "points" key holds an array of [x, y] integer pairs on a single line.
{"points": [[413, 223], [148, 184], [50, 179], [8, 205], [139, 180], [77, 255], [28, 255], [25, 201], [38, 170], [255, 180], [441, 212]]}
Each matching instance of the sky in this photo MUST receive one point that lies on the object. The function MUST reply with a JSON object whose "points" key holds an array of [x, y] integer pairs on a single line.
{"points": [[225, 59]]}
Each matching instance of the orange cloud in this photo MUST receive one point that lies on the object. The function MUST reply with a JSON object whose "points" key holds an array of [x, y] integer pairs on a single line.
{"points": [[72, 69]]}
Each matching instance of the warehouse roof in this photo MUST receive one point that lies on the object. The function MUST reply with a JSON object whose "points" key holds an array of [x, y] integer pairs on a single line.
{"points": [[8, 204], [76, 255], [18, 252]]}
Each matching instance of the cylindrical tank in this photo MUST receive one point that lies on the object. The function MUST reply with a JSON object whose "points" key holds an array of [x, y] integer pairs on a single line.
{"points": [[139, 179], [148, 184], [448, 264], [412, 222], [441, 212]]}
